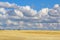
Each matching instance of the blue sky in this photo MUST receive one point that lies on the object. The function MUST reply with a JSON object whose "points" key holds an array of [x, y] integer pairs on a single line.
{"points": [[35, 4]]}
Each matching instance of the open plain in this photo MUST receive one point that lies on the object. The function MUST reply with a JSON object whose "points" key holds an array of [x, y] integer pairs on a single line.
{"points": [[29, 35]]}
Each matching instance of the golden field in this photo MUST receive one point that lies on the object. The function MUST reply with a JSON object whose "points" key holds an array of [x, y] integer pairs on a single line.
{"points": [[29, 35]]}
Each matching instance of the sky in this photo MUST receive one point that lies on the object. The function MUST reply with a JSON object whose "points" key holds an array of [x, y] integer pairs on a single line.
{"points": [[35, 4], [30, 14]]}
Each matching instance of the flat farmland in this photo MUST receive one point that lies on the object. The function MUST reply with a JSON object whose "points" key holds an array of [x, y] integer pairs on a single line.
{"points": [[29, 35]]}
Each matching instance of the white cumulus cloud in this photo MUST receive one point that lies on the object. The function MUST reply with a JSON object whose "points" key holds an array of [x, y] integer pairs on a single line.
{"points": [[13, 16]]}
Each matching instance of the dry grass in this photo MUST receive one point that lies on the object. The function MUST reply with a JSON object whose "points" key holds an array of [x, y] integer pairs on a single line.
{"points": [[29, 35]]}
